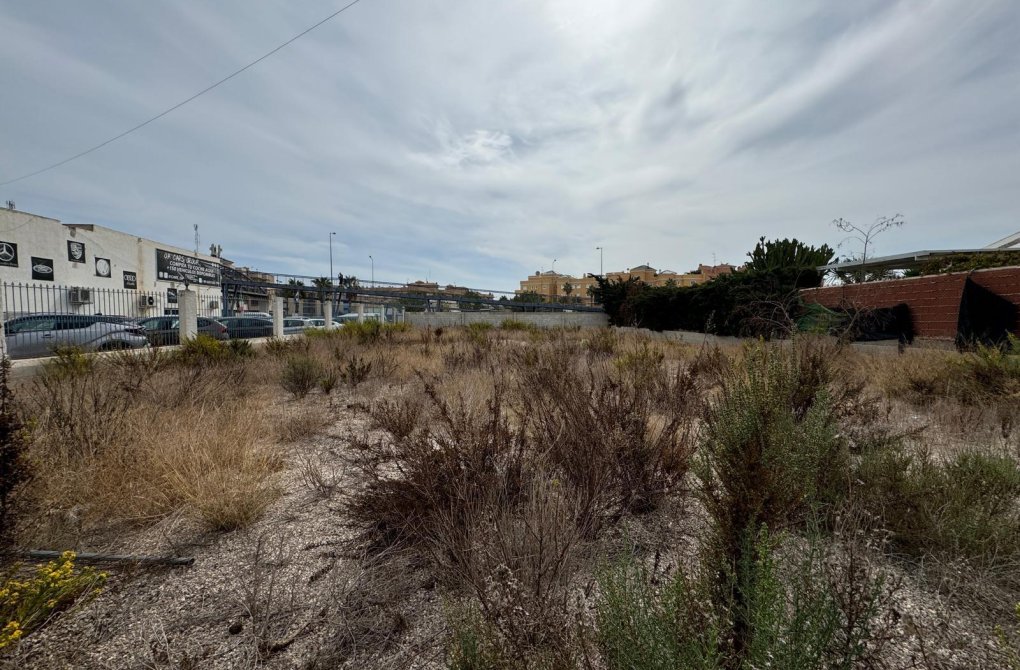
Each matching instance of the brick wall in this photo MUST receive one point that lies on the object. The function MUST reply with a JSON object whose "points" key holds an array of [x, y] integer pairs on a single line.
{"points": [[934, 301]]}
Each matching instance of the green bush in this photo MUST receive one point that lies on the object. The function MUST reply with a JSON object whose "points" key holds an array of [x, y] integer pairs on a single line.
{"points": [[300, 375], [518, 325], [203, 350], [965, 506], [801, 622], [772, 448]]}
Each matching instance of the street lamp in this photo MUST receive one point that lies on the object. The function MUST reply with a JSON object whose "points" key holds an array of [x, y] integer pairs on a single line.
{"points": [[599, 249], [331, 256], [373, 269], [554, 265]]}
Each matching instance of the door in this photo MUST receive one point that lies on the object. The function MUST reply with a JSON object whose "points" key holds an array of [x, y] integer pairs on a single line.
{"points": [[31, 336]]}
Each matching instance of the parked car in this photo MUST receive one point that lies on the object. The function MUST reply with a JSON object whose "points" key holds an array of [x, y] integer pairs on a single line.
{"points": [[247, 326], [294, 325], [164, 330], [39, 334]]}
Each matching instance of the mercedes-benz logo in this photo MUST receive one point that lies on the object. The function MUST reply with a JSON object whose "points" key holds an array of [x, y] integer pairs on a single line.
{"points": [[6, 252]]}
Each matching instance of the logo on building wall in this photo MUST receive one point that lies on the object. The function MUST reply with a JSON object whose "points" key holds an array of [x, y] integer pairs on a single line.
{"points": [[42, 269], [76, 251], [171, 295], [9, 254], [102, 267], [130, 280]]}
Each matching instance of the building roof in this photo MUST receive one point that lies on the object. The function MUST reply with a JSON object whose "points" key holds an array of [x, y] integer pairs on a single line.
{"points": [[914, 259], [643, 267]]}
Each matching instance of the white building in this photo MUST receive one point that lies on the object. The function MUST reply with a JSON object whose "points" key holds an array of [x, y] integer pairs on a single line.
{"points": [[46, 265]]}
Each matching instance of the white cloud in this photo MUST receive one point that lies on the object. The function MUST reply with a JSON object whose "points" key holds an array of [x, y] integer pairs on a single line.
{"points": [[480, 141]]}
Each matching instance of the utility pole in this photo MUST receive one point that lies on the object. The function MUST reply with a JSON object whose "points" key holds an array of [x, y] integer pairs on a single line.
{"points": [[599, 249], [373, 269], [331, 256]]}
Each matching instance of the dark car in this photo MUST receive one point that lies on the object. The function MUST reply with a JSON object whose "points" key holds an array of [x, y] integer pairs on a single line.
{"points": [[247, 326], [39, 334], [164, 330]]}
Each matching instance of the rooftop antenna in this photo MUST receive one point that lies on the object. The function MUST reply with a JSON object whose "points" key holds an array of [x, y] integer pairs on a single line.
{"points": [[713, 259], [198, 240]]}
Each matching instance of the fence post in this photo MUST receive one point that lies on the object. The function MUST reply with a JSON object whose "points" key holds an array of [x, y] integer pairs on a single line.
{"points": [[327, 314], [278, 316], [3, 321], [187, 308], [361, 312]]}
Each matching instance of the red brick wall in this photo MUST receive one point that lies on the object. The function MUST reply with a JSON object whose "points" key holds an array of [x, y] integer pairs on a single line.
{"points": [[934, 301]]}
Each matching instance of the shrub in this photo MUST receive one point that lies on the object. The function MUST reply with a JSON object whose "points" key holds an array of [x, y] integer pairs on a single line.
{"points": [[355, 371], [620, 445], [204, 350], [772, 449], [601, 342], [517, 325], [300, 375], [240, 349], [803, 621], [15, 440], [26, 604], [965, 506], [365, 332], [329, 380], [444, 470]]}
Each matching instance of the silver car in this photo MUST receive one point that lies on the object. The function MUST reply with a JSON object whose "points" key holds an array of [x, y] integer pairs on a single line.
{"points": [[39, 334]]}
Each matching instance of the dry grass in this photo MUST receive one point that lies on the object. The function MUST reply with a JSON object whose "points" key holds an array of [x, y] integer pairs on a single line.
{"points": [[503, 468]]}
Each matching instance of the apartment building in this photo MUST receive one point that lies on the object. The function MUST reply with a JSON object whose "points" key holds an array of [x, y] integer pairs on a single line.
{"points": [[557, 286]]}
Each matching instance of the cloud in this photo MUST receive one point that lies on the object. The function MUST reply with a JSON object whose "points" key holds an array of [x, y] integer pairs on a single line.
{"points": [[477, 142]]}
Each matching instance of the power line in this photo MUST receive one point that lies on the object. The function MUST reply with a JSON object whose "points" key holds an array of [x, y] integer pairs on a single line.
{"points": [[186, 101]]}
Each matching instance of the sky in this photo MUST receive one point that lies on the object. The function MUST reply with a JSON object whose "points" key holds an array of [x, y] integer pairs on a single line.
{"points": [[477, 142]]}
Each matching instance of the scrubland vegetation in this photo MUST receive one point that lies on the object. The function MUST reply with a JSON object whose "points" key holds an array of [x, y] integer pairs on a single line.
{"points": [[504, 497]]}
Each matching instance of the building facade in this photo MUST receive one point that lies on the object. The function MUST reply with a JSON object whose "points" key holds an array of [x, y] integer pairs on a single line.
{"points": [[46, 265], [554, 286]]}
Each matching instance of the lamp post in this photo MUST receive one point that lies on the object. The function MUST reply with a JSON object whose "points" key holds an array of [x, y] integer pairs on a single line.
{"points": [[331, 256], [599, 249], [373, 269], [554, 265]]}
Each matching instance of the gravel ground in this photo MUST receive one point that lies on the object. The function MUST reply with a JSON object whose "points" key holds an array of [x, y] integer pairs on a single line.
{"points": [[279, 594]]}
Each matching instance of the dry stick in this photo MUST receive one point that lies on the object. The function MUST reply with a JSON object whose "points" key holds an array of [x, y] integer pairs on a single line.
{"points": [[110, 558]]}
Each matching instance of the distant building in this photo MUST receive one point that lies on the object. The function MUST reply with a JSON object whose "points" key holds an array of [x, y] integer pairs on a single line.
{"points": [[552, 285]]}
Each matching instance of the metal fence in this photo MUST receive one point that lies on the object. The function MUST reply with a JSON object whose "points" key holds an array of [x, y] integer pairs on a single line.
{"points": [[40, 318]]}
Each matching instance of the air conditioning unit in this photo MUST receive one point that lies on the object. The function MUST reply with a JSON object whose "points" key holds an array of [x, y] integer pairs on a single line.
{"points": [[79, 296], [146, 301], [214, 304]]}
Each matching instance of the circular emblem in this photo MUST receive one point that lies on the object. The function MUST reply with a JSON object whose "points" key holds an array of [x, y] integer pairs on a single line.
{"points": [[103, 267], [42, 269], [6, 252]]}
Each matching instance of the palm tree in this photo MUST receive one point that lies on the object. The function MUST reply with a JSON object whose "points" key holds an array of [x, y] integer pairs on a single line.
{"points": [[294, 292]]}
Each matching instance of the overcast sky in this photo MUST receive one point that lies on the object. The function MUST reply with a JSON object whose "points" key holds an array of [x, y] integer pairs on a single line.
{"points": [[477, 141]]}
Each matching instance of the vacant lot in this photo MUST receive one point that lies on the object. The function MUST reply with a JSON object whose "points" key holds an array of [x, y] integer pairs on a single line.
{"points": [[512, 498]]}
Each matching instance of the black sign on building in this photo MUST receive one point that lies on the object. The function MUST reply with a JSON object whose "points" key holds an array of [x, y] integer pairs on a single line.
{"points": [[103, 267], [171, 295], [9, 254], [42, 269], [172, 266], [130, 280], [75, 251]]}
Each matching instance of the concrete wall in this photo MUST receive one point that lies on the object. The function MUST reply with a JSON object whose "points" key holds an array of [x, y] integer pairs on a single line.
{"points": [[540, 319], [42, 237], [934, 301]]}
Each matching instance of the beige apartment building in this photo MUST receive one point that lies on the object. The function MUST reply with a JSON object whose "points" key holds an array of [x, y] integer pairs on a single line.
{"points": [[554, 285]]}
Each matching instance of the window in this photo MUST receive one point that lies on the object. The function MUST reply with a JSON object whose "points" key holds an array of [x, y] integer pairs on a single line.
{"points": [[33, 324]]}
